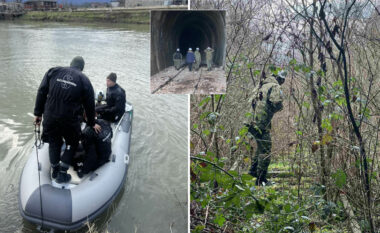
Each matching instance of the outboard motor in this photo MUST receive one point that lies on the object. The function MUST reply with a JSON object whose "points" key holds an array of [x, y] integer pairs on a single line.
{"points": [[99, 98]]}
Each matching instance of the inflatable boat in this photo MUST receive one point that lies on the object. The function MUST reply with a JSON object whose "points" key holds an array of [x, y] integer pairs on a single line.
{"points": [[70, 206]]}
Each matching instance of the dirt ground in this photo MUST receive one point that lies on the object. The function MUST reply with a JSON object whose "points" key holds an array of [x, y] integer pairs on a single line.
{"points": [[186, 82]]}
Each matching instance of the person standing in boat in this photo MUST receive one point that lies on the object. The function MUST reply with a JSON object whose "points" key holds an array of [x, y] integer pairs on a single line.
{"points": [[114, 108], [60, 97]]}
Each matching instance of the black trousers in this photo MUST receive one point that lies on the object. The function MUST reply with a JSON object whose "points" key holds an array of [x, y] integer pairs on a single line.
{"points": [[90, 159], [102, 112], [190, 66], [55, 130]]}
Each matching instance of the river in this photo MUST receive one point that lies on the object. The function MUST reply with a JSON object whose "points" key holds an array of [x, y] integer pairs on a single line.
{"points": [[154, 198]]}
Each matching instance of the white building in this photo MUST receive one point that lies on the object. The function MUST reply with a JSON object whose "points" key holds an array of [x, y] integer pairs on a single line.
{"points": [[133, 3], [115, 3]]}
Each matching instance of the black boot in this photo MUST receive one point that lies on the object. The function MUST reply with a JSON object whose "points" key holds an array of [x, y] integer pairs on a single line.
{"points": [[63, 177], [253, 170], [81, 172], [262, 179], [56, 170], [262, 182]]}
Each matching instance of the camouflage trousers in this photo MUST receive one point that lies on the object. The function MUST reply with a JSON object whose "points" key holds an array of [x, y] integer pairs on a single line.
{"points": [[261, 160], [196, 65], [209, 64], [177, 63]]}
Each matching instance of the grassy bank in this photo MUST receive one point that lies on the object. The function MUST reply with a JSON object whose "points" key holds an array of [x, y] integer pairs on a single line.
{"points": [[106, 16]]}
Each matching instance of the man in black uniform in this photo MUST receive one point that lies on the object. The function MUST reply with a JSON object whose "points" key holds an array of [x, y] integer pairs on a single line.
{"points": [[97, 147], [115, 98], [60, 97]]}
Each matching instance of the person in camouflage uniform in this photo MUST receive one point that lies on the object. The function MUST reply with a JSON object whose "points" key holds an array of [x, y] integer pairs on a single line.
{"points": [[197, 59], [266, 100], [209, 54], [177, 58]]}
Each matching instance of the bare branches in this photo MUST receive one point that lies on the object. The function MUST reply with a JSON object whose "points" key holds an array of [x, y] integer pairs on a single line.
{"points": [[213, 164], [330, 124]]}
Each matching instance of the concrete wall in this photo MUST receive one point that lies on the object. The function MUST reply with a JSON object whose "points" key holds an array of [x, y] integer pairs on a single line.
{"points": [[184, 29]]}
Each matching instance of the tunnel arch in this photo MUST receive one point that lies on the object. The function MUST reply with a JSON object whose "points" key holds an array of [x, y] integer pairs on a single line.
{"points": [[186, 29]]}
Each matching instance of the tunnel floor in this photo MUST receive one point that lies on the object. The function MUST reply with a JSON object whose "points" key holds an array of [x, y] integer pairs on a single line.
{"points": [[189, 82]]}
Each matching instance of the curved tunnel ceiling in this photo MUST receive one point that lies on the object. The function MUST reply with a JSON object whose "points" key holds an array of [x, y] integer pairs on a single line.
{"points": [[186, 29]]}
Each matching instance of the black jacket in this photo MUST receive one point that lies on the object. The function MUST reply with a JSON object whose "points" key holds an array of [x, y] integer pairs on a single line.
{"points": [[97, 146], [115, 99], [62, 93], [102, 139]]}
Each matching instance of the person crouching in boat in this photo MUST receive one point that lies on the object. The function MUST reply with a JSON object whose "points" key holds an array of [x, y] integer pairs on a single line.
{"points": [[97, 147], [61, 94], [114, 108]]}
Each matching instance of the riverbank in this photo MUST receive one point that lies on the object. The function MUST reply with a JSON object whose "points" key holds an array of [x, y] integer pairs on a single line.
{"points": [[104, 15], [28, 50], [130, 17]]}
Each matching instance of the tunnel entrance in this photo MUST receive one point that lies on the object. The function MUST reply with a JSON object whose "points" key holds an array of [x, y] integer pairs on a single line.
{"points": [[186, 29]]}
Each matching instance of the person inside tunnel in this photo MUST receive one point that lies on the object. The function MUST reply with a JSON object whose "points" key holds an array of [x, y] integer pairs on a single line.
{"points": [[177, 59], [197, 59], [173, 30], [190, 58], [209, 57]]}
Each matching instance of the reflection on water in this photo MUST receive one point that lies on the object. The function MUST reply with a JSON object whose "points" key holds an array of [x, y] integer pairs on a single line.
{"points": [[154, 198]]}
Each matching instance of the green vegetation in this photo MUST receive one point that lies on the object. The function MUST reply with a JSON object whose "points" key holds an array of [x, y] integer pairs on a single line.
{"points": [[125, 17], [222, 202], [325, 142]]}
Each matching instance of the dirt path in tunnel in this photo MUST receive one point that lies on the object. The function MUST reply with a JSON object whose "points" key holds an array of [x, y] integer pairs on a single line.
{"points": [[186, 82]]}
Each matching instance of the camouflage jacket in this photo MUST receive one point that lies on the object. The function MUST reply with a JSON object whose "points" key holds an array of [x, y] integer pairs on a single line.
{"points": [[209, 53], [177, 56], [266, 101], [197, 56]]}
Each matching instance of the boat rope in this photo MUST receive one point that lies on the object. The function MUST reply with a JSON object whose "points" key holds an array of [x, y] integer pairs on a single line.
{"points": [[37, 144]]}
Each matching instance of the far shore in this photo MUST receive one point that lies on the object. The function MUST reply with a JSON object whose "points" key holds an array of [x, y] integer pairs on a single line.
{"points": [[137, 15]]}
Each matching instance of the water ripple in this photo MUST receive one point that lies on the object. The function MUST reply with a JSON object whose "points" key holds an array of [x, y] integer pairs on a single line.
{"points": [[155, 192]]}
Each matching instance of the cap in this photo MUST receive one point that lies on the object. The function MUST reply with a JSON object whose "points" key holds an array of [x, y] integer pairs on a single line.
{"points": [[112, 77], [77, 62]]}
